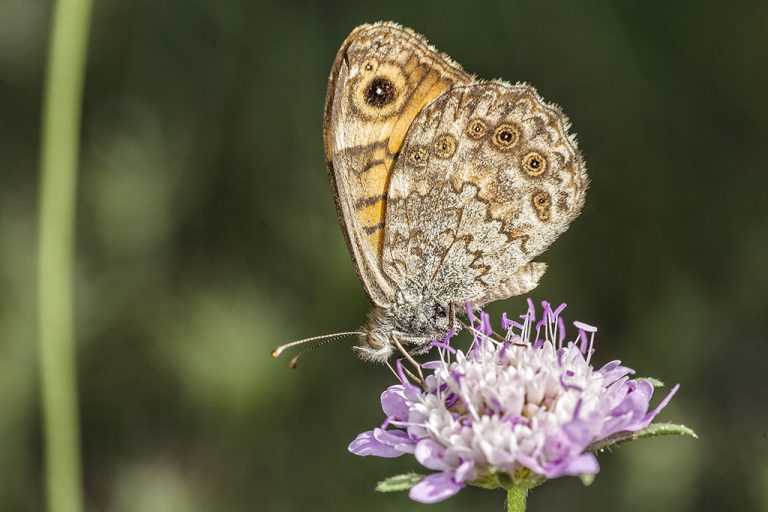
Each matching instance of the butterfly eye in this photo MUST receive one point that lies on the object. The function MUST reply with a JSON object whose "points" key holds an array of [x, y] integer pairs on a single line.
{"points": [[380, 92], [476, 129], [542, 202], [418, 155], [506, 136], [445, 146], [534, 164]]}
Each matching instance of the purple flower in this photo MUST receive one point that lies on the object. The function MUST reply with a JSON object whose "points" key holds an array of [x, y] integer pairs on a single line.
{"points": [[529, 407]]}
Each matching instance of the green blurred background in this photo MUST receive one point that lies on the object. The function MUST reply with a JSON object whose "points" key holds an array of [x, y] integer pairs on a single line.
{"points": [[207, 235]]}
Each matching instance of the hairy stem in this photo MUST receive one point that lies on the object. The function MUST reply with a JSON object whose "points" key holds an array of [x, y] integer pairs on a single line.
{"points": [[516, 499]]}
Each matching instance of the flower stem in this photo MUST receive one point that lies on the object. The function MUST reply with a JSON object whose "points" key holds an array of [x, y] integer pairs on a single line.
{"points": [[516, 499], [58, 168]]}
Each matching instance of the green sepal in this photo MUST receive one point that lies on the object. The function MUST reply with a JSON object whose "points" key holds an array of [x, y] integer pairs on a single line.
{"points": [[487, 481], [652, 430], [399, 483], [656, 383], [495, 479]]}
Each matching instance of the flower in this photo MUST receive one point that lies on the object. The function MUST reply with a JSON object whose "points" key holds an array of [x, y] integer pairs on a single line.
{"points": [[511, 411]]}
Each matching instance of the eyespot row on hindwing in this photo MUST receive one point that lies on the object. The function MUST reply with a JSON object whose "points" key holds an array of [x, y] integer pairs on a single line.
{"points": [[443, 147], [505, 137]]}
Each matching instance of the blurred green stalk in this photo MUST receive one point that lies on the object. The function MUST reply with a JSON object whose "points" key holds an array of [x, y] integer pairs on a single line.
{"points": [[58, 167]]}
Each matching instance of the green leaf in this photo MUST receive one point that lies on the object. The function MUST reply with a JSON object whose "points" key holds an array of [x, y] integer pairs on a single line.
{"points": [[666, 429], [399, 482], [652, 430], [656, 383]]}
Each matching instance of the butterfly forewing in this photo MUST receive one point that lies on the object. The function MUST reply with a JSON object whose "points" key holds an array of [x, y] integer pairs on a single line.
{"points": [[383, 77]]}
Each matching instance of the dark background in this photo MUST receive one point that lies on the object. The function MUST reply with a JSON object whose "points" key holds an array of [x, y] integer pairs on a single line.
{"points": [[207, 235]]}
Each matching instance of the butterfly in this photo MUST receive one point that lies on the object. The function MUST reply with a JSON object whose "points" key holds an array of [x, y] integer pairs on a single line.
{"points": [[446, 186]]}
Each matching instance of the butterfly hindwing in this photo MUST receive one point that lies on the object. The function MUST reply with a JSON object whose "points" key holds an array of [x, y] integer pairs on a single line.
{"points": [[487, 179]]}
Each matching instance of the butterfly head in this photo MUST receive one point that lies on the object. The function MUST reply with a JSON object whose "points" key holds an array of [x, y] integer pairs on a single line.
{"points": [[414, 326]]}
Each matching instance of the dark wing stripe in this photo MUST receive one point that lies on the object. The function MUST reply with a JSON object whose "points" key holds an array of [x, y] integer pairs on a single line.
{"points": [[369, 230], [368, 201], [372, 165]]}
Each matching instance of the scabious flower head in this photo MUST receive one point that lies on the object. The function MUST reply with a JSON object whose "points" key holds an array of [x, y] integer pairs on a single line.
{"points": [[511, 411]]}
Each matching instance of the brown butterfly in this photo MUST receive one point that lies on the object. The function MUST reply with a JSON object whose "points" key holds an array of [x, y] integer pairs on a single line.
{"points": [[446, 186]]}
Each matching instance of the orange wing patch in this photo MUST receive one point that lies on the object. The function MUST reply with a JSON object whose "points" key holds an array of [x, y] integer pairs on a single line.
{"points": [[383, 77], [378, 168]]}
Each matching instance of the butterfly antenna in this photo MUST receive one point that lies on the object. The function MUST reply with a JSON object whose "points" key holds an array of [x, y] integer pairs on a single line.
{"points": [[327, 337], [295, 360]]}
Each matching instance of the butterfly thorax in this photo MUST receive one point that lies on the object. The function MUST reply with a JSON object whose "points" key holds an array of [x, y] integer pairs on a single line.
{"points": [[412, 325]]}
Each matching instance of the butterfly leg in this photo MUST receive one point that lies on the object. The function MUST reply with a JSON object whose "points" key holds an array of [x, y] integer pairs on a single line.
{"points": [[407, 374], [410, 359], [392, 370]]}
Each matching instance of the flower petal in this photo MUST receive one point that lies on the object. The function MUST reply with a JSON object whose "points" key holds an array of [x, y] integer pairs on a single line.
{"points": [[530, 463], [465, 472], [502, 459], [579, 432], [434, 488], [649, 417], [390, 437], [366, 444], [393, 403], [634, 403], [645, 388], [397, 439], [585, 464], [431, 455], [613, 371]]}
